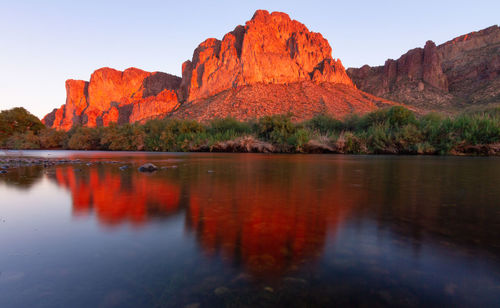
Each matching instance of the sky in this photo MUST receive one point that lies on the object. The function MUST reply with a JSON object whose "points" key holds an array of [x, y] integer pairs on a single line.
{"points": [[43, 43]]}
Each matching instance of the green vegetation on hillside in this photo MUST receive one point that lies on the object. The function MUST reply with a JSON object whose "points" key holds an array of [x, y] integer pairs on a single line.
{"points": [[395, 130]]}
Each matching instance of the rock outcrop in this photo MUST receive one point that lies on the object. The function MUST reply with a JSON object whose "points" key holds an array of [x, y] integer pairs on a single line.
{"points": [[270, 49], [291, 68], [462, 71], [113, 96]]}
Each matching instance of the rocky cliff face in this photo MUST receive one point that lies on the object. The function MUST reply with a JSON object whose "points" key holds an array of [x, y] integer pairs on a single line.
{"points": [[462, 71], [271, 54], [114, 96], [270, 48]]}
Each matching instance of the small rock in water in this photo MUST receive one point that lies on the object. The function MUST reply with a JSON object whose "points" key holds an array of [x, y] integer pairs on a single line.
{"points": [[89, 164], [5, 167], [149, 167], [3, 171], [269, 289], [210, 171], [122, 168], [221, 291]]}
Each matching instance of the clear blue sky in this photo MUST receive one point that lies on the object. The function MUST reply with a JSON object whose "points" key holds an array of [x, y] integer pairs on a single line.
{"points": [[43, 43]]}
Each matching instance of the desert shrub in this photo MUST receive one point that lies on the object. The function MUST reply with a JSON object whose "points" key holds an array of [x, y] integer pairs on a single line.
{"points": [[177, 135], [23, 141], [324, 124], [379, 138], [84, 138], [350, 143], [127, 137], [276, 128], [477, 129], [374, 118], [398, 116], [153, 130], [228, 125], [51, 138], [441, 135], [406, 138], [353, 122], [298, 139]]}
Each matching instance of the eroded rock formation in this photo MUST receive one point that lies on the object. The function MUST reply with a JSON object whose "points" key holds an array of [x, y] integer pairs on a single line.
{"points": [[462, 71], [113, 96], [270, 49], [291, 68]]}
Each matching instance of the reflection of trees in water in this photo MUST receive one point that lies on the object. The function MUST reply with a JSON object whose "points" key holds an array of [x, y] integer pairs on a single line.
{"points": [[450, 199], [22, 178]]}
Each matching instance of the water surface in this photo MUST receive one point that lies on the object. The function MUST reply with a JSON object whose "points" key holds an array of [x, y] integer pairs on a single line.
{"points": [[215, 230]]}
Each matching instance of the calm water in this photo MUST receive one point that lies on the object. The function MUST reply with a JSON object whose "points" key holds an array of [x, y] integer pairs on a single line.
{"points": [[251, 230]]}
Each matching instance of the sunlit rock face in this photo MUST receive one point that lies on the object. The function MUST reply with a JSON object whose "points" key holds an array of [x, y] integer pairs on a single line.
{"points": [[463, 70], [113, 96], [270, 52], [270, 48]]}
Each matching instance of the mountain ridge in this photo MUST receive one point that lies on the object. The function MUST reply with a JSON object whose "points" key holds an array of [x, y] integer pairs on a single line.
{"points": [[460, 72]]}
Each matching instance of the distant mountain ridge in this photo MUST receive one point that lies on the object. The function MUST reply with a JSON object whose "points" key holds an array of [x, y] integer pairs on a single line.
{"points": [[461, 72], [274, 61]]}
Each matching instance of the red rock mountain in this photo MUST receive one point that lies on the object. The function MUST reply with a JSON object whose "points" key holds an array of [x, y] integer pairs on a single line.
{"points": [[114, 96], [463, 71], [271, 65]]}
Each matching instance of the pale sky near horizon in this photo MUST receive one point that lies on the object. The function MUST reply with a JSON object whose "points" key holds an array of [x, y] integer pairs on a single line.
{"points": [[43, 43]]}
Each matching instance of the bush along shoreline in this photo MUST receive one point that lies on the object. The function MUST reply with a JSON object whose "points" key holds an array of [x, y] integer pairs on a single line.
{"points": [[395, 130]]}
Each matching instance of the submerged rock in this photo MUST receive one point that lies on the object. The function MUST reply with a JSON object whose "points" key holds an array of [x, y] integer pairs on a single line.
{"points": [[221, 291], [122, 168], [149, 167]]}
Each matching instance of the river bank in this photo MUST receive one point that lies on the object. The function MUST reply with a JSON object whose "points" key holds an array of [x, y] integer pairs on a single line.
{"points": [[386, 131]]}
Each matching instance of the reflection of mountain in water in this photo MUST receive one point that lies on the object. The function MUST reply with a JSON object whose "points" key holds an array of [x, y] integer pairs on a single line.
{"points": [[271, 215], [116, 197], [266, 223]]}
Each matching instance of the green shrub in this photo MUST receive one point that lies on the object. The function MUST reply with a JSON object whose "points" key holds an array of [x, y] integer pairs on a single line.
{"points": [[407, 137], [51, 138], [228, 126], [23, 141], [84, 138], [127, 137], [353, 122], [477, 129], [379, 138], [398, 116], [324, 124], [276, 128], [18, 121], [299, 139]]}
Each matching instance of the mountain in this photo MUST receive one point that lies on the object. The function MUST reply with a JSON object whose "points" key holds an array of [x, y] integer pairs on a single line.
{"points": [[462, 72], [115, 96], [271, 65]]}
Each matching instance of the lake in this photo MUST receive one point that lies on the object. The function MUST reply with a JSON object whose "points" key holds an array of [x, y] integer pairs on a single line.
{"points": [[246, 230]]}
